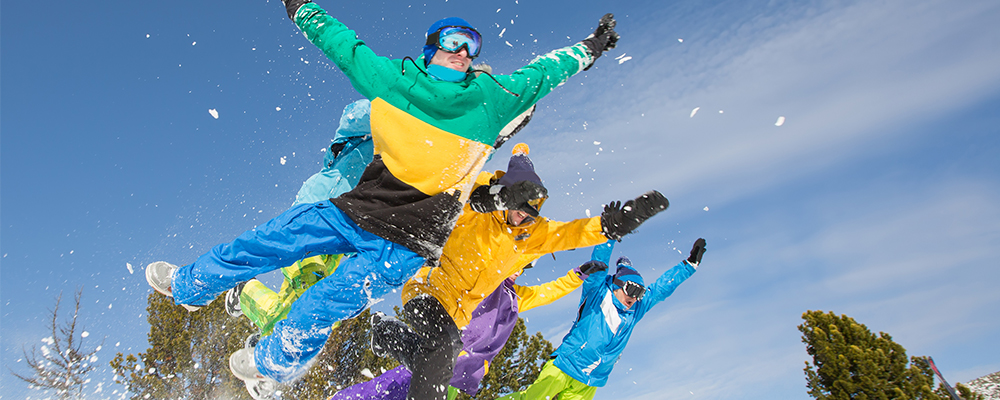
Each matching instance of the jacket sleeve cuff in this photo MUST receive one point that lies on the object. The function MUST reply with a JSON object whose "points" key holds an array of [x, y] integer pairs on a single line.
{"points": [[292, 6]]}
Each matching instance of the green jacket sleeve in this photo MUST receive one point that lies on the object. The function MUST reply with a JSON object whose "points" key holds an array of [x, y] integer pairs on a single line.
{"points": [[541, 76], [367, 71]]}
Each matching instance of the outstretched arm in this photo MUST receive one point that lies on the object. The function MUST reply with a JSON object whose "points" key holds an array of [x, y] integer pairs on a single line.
{"points": [[341, 45], [668, 282], [546, 72], [540, 295]]}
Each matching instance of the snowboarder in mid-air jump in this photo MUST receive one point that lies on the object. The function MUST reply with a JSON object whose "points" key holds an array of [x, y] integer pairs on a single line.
{"points": [[434, 126], [610, 307]]}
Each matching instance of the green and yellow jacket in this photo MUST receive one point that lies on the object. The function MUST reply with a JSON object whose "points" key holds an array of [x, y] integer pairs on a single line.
{"points": [[431, 137]]}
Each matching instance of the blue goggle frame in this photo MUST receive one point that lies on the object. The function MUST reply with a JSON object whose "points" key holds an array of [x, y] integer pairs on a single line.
{"points": [[454, 38]]}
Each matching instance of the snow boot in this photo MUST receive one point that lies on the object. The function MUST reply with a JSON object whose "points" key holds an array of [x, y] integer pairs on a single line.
{"points": [[233, 300], [159, 275], [261, 389], [377, 318], [251, 341], [242, 364]]}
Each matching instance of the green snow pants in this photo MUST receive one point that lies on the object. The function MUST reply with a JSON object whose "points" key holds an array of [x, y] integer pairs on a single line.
{"points": [[265, 307], [553, 382]]}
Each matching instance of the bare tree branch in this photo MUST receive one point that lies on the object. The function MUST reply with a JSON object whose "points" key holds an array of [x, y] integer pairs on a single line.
{"points": [[62, 365]]}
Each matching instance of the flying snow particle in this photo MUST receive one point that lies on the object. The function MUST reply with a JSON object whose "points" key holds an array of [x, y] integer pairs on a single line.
{"points": [[152, 370], [508, 43], [695, 111], [781, 121], [587, 211], [277, 108], [215, 114], [502, 32], [85, 334], [283, 160], [624, 59], [368, 373], [147, 36], [109, 306], [194, 43], [680, 40], [706, 208], [720, 111], [130, 270], [596, 143]]}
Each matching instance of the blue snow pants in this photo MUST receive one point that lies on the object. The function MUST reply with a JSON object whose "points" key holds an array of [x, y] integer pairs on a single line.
{"points": [[308, 229]]}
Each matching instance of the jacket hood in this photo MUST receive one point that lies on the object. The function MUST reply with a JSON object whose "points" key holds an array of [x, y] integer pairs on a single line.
{"points": [[355, 121]]}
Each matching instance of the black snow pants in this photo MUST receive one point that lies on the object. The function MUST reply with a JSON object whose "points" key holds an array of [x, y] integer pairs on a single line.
{"points": [[427, 347]]}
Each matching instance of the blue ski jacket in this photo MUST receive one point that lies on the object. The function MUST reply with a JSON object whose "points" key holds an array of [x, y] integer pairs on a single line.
{"points": [[603, 326]]}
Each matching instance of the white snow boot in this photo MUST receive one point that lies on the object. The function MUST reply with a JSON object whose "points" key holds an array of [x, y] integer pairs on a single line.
{"points": [[159, 275], [242, 364], [261, 389]]}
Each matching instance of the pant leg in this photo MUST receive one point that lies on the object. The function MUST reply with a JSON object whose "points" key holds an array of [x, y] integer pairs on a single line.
{"points": [[391, 385], [358, 282], [434, 360], [318, 228], [551, 382]]}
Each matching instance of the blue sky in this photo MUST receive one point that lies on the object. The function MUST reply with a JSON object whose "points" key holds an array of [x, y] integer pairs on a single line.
{"points": [[878, 197]]}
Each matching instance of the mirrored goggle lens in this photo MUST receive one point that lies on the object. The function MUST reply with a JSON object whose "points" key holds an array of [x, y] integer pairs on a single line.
{"points": [[537, 203], [452, 39], [634, 290]]}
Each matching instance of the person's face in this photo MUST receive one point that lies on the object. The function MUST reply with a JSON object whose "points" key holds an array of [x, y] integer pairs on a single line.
{"points": [[457, 61], [516, 274], [517, 217], [625, 299]]}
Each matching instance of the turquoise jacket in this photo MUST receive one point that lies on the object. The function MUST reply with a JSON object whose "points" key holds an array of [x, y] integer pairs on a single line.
{"points": [[345, 159]]}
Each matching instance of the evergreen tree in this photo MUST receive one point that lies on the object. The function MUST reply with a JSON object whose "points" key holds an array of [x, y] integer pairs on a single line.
{"points": [[62, 365], [188, 355], [850, 362], [516, 366]]}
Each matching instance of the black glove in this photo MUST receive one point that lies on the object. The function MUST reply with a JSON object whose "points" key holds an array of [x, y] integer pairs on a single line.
{"points": [[515, 197], [696, 252], [293, 5], [591, 267], [604, 38], [618, 221]]}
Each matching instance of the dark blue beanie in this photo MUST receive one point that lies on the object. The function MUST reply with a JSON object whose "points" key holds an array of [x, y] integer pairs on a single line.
{"points": [[625, 272], [519, 168], [430, 49]]}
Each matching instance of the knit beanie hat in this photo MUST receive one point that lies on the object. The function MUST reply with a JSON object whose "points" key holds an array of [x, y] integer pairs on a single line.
{"points": [[625, 272], [520, 167], [430, 49]]}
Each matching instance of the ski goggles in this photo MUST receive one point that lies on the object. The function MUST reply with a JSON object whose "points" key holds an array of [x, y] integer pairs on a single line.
{"points": [[537, 204], [454, 38], [632, 289]]}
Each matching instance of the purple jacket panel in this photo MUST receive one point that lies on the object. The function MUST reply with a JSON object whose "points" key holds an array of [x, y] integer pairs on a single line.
{"points": [[391, 385], [490, 326]]}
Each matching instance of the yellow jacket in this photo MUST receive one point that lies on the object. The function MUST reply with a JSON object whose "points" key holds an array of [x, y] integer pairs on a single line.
{"points": [[483, 250]]}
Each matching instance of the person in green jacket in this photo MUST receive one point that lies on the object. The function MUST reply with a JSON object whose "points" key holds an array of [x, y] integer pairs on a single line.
{"points": [[433, 131]]}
